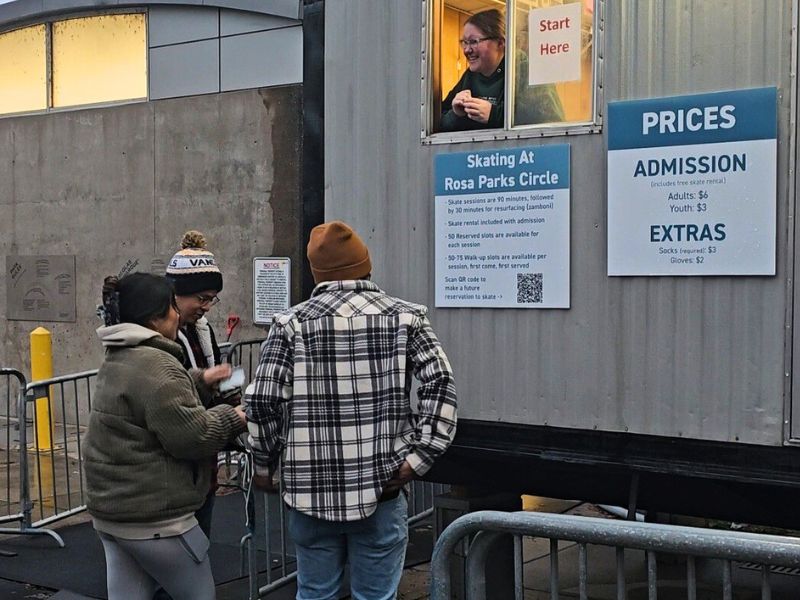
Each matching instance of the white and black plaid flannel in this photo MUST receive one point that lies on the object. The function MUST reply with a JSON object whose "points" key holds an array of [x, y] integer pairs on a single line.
{"points": [[343, 361]]}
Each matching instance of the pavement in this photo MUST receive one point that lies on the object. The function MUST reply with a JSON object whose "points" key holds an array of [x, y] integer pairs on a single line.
{"points": [[536, 565], [57, 485]]}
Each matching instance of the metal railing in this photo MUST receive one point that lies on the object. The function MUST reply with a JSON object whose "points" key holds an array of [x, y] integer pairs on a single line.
{"points": [[266, 520], [244, 354], [59, 481], [15, 396], [727, 546]]}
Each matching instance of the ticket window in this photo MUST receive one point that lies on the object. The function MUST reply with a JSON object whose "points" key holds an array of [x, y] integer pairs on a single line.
{"points": [[551, 80]]}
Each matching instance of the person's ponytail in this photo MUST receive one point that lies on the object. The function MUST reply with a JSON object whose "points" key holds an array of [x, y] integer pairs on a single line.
{"points": [[136, 298], [110, 308]]}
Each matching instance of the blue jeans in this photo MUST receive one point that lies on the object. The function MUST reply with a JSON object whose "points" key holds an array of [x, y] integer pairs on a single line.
{"points": [[375, 547]]}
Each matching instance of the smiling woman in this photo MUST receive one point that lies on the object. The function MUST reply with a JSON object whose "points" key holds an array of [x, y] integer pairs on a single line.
{"points": [[541, 75], [477, 100]]}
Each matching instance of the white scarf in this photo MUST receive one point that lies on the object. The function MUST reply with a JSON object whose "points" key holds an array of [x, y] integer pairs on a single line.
{"points": [[204, 335]]}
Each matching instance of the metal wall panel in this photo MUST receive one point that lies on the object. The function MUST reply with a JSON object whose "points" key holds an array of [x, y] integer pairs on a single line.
{"points": [[262, 59], [28, 9], [173, 24], [234, 22], [184, 70], [675, 356], [291, 9]]}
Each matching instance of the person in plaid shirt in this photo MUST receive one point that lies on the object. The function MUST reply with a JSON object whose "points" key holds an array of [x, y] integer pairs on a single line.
{"points": [[330, 405]]}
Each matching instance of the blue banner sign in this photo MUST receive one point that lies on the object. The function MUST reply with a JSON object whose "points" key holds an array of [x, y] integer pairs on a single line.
{"points": [[514, 170], [735, 116], [502, 228], [692, 184]]}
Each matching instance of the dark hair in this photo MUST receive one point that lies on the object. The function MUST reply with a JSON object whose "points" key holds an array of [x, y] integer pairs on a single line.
{"points": [[136, 298], [490, 22]]}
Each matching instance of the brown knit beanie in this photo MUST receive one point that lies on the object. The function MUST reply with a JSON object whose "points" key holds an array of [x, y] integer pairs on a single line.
{"points": [[336, 252]]}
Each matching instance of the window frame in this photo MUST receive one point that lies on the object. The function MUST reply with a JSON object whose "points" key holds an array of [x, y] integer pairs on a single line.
{"points": [[430, 49], [48, 23]]}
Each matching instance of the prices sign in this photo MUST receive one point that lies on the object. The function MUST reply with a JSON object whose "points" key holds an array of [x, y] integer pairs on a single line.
{"points": [[692, 184]]}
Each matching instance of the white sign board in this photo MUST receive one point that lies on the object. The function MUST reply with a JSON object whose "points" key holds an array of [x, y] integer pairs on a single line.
{"points": [[554, 44], [271, 285], [692, 184], [502, 228]]}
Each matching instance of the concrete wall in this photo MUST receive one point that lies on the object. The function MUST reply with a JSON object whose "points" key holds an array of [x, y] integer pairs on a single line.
{"points": [[111, 184]]}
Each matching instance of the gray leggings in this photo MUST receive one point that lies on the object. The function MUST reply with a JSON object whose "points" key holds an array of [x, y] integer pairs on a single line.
{"points": [[136, 568]]}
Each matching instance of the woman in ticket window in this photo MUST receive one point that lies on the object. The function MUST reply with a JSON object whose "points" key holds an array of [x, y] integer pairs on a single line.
{"points": [[478, 99]]}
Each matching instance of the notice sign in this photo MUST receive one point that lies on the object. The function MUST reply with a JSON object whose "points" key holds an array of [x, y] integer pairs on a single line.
{"points": [[554, 44], [692, 184], [271, 279], [502, 228]]}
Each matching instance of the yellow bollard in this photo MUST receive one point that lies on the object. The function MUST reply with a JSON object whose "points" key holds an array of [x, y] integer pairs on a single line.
{"points": [[42, 368]]}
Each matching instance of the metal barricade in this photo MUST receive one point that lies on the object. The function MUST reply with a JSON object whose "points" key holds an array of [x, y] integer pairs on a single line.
{"points": [[266, 520], [240, 354], [58, 482], [16, 455], [245, 354], [727, 546]]}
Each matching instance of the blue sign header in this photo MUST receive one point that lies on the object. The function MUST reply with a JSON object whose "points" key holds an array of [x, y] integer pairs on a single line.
{"points": [[514, 170], [733, 116]]}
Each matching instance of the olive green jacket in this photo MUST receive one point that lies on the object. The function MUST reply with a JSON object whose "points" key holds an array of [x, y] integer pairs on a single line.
{"points": [[148, 431]]}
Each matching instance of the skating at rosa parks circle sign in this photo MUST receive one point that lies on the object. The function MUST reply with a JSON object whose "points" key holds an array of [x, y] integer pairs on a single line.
{"points": [[692, 184], [502, 228]]}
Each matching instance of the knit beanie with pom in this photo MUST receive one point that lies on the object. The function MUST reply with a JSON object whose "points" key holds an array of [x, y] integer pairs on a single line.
{"points": [[193, 269]]}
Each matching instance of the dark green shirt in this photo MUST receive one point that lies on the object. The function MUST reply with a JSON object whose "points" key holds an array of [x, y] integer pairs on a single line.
{"points": [[534, 104]]}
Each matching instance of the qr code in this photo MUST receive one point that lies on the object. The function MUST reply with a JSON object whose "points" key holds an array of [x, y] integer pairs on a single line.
{"points": [[529, 288]]}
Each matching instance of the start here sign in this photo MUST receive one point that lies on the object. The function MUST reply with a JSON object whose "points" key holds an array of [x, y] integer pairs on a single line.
{"points": [[554, 44]]}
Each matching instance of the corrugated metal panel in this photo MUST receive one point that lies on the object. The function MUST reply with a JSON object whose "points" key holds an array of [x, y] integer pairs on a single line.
{"points": [[692, 357]]}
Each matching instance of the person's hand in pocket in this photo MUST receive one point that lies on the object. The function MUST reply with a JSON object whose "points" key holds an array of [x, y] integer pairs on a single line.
{"points": [[404, 475]]}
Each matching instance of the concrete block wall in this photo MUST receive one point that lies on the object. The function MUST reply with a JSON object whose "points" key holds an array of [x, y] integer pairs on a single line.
{"points": [[116, 183]]}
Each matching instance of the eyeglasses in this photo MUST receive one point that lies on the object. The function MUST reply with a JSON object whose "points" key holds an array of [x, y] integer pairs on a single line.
{"points": [[473, 42], [207, 300]]}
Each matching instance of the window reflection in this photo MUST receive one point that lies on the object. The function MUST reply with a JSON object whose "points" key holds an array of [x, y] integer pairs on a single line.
{"points": [[550, 55], [23, 70], [554, 61], [99, 59]]}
